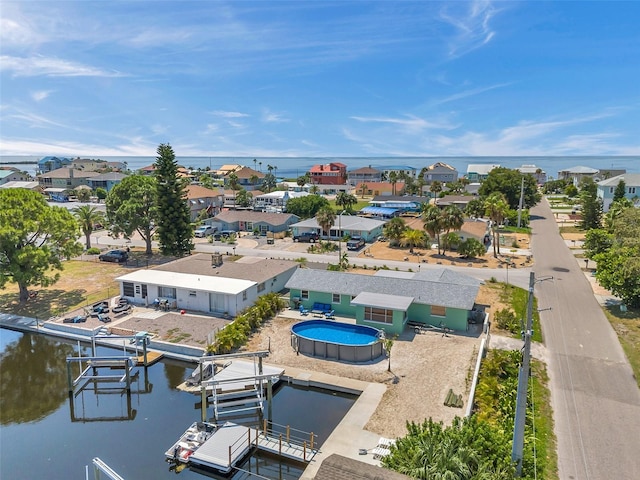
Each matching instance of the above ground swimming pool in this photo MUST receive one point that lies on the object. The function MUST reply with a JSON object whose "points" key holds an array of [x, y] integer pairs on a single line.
{"points": [[338, 341]]}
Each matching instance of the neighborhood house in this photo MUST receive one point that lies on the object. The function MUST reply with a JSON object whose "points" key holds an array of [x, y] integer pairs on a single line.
{"points": [[206, 283], [439, 297]]}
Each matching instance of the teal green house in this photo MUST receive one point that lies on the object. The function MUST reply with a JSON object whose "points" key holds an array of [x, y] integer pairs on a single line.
{"points": [[389, 299]]}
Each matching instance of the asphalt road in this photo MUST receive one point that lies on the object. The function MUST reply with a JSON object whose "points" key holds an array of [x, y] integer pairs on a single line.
{"points": [[594, 395]]}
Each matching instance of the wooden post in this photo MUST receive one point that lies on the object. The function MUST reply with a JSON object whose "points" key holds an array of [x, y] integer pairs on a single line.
{"points": [[280, 446], [144, 351], [264, 426], [311, 441], [203, 401], [288, 431], [128, 375], [304, 451], [229, 455]]}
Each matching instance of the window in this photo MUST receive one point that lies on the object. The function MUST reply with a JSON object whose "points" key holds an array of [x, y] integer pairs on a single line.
{"points": [[438, 311], [261, 287], [137, 289], [127, 289], [167, 292], [192, 293], [610, 189], [632, 190], [381, 315], [144, 290], [335, 298], [244, 295], [304, 294]]}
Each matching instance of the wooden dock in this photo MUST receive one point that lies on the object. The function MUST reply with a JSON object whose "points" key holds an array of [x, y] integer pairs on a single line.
{"points": [[152, 358]]}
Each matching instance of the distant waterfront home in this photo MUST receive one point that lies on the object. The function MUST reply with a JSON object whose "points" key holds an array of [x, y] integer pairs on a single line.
{"points": [[249, 221], [460, 201], [606, 189], [275, 201], [65, 178], [399, 170], [200, 198], [248, 178], [537, 173], [390, 299], [364, 174], [379, 188], [440, 172], [47, 164], [205, 283], [13, 175], [367, 228], [32, 185], [334, 173], [476, 172], [106, 180], [576, 174], [403, 203], [225, 170]]}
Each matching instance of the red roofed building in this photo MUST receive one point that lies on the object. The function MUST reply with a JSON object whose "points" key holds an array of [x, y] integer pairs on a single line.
{"points": [[334, 173]]}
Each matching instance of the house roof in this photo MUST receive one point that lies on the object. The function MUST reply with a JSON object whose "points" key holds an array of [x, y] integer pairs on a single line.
{"points": [[254, 269], [207, 283], [337, 467], [347, 222], [630, 180], [112, 176], [225, 169], [580, 170], [365, 170], [481, 168], [198, 191], [231, 216], [18, 184], [454, 199], [477, 228], [382, 300], [247, 172], [380, 186], [400, 198], [328, 167], [65, 172], [281, 194], [529, 169], [430, 287], [440, 165]]}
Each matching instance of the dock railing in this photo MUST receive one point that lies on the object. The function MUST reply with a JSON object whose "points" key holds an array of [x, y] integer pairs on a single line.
{"points": [[239, 444], [286, 436]]}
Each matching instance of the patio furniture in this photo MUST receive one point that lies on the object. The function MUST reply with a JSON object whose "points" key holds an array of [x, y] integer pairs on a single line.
{"points": [[303, 311], [329, 315]]}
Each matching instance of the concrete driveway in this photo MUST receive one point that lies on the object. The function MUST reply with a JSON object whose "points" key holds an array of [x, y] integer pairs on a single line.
{"points": [[594, 395]]}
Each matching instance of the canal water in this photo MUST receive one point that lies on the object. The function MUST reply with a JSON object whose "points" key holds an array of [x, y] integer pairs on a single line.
{"points": [[44, 434]]}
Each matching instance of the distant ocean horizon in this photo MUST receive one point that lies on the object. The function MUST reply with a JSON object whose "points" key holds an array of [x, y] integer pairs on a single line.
{"points": [[291, 167]]}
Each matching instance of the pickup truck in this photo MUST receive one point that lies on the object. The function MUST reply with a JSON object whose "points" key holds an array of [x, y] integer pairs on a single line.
{"points": [[355, 243], [306, 237]]}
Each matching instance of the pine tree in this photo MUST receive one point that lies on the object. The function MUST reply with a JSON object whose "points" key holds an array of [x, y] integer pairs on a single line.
{"points": [[174, 225], [620, 191]]}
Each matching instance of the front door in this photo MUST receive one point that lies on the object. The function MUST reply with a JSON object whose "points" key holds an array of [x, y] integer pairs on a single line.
{"points": [[217, 302]]}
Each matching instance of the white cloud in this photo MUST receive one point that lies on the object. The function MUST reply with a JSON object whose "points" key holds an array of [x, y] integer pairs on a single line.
{"points": [[271, 117], [40, 95], [226, 114], [411, 122], [473, 29], [51, 67], [467, 93]]}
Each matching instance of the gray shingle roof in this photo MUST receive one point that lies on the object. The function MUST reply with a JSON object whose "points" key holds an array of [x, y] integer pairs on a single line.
{"points": [[274, 219], [433, 287], [337, 467], [347, 222]]}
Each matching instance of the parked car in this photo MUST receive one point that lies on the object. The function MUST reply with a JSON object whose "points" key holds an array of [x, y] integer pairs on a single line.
{"points": [[355, 243], [204, 230], [306, 237], [117, 256]]}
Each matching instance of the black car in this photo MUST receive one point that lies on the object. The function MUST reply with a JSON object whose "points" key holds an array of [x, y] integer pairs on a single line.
{"points": [[306, 237], [117, 256]]}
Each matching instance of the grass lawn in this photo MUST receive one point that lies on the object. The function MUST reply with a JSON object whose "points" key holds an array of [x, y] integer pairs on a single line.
{"points": [[571, 230], [518, 298], [540, 398], [627, 326], [81, 283], [362, 202]]}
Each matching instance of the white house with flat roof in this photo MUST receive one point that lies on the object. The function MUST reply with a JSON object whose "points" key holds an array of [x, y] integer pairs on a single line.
{"points": [[477, 172], [351, 225], [207, 283], [606, 189]]}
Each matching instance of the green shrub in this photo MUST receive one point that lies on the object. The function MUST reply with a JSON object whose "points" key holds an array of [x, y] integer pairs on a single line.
{"points": [[506, 319], [93, 251]]}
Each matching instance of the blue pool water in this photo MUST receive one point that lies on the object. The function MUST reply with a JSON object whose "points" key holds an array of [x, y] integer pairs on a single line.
{"points": [[338, 333]]}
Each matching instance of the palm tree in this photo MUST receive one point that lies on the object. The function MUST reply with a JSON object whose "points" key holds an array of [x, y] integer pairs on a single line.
{"points": [[233, 181], [326, 218], [255, 161], [496, 207], [394, 229], [436, 187], [260, 163], [413, 238], [363, 188], [433, 222], [393, 179], [346, 201], [453, 218], [87, 217], [314, 189], [254, 179]]}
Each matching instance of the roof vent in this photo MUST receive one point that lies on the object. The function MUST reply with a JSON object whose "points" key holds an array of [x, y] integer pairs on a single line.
{"points": [[216, 259]]}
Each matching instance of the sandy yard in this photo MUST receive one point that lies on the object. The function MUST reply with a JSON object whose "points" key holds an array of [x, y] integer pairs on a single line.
{"points": [[423, 369]]}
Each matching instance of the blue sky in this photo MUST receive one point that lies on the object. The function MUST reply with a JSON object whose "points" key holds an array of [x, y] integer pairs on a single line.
{"points": [[307, 78]]}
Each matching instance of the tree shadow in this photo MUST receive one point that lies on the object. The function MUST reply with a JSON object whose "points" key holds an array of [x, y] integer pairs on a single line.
{"points": [[48, 303]]}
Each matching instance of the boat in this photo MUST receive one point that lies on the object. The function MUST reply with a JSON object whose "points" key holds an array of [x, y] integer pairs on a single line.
{"points": [[190, 441], [208, 370]]}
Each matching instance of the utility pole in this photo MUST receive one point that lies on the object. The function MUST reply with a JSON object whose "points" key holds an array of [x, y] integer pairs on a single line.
{"points": [[521, 202], [523, 382]]}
